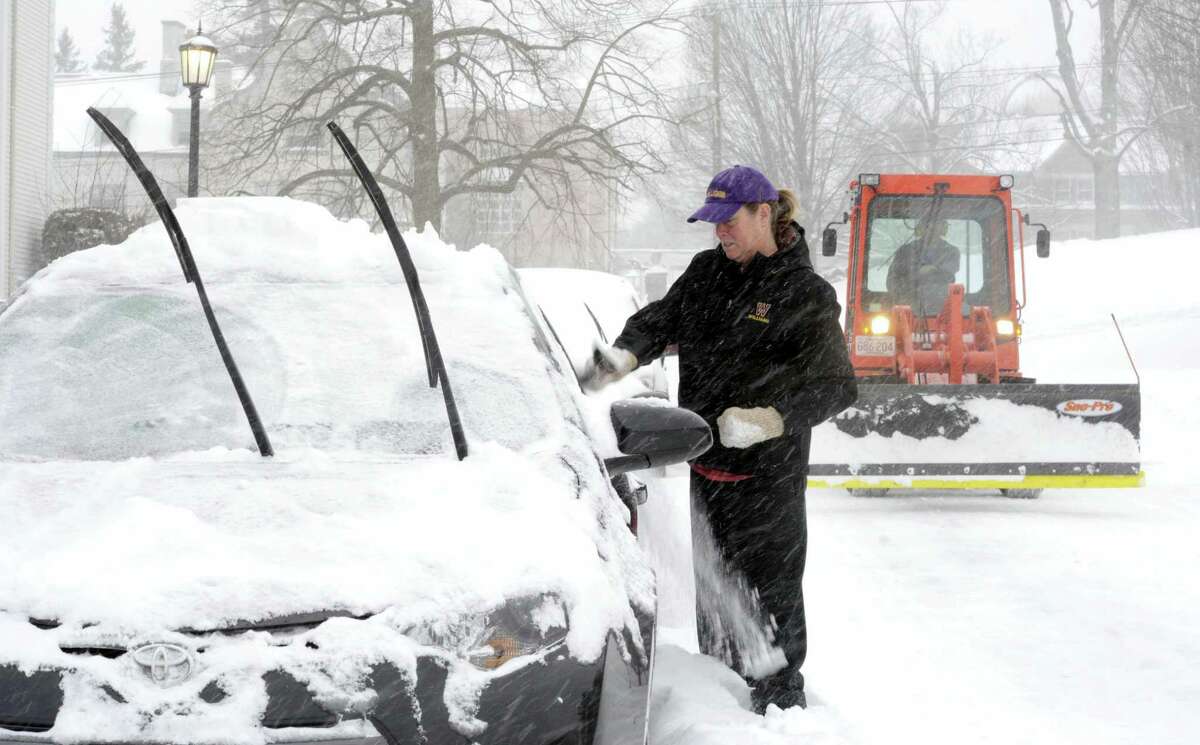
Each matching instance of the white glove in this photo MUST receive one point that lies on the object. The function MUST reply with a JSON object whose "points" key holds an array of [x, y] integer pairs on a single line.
{"points": [[607, 365], [741, 428]]}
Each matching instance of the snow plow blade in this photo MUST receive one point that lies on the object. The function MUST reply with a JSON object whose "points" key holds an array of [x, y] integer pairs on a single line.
{"points": [[1019, 436]]}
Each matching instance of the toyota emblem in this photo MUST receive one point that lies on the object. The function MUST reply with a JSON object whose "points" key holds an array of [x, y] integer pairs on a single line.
{"points": [[165, 664]]}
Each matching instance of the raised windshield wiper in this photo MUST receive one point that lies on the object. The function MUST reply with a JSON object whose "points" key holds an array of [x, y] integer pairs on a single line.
{"points": [[563, 347], [190, 273], [435, 366], [599, 328]]}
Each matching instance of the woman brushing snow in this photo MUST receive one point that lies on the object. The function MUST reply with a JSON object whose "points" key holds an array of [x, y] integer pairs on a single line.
{"points": [[763, 360]]}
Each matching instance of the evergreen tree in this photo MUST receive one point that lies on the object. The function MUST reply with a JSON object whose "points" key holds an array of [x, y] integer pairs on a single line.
{"points": [[117, 55], [66, 59]]}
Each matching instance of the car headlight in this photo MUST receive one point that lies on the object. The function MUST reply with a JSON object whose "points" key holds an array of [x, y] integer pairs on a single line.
{"points": [[880, 325], [501, 646], [1005, 327], [523, 626]]}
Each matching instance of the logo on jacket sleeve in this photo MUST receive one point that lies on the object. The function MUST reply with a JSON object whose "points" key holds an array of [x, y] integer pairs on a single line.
{"points": [[760, 312]]}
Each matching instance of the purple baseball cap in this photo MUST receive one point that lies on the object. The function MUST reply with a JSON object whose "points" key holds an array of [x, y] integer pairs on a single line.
{"points": [[732, 188]]}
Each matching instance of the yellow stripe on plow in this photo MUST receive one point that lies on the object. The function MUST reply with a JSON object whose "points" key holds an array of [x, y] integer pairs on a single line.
{"points": [[1064, 481]]}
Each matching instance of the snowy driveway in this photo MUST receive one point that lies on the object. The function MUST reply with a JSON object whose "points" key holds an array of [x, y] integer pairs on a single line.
{"points": [[1068, 619], [973, 619]]}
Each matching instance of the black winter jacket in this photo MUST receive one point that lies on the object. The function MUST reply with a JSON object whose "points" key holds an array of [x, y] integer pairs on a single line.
{"points": [[763, 335]]}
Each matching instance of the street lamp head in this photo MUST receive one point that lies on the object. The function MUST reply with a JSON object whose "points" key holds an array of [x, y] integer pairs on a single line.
{"points": [[196, 58]]}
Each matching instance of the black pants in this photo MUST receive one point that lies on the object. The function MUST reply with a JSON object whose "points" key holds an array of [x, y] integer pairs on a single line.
{"points": [[761, 531]]}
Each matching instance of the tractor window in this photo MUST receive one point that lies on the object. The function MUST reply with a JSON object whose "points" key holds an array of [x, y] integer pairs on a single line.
{"points": [[918, 245]]}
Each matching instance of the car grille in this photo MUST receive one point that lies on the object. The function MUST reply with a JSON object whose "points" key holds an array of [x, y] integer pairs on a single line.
{"points": [[289, 704], [29, 702], [111, 653]]}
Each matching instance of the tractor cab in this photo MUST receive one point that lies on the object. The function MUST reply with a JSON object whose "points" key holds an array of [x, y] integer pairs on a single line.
{"points": [[932, 264]]}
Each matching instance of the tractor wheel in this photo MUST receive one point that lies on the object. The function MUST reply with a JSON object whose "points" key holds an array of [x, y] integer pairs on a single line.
{"points": [[1021, 493], [868, 492]]}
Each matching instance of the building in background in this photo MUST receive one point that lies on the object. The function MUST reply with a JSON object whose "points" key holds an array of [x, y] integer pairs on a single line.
{"points": [[153, 110], [26, 65], [1060, 192], [530, 229]]}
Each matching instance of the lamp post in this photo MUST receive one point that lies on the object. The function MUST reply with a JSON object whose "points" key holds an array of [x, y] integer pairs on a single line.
{"points": [[196, 58]]}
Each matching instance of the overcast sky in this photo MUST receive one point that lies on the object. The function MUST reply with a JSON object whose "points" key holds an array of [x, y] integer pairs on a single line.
{"points": [[1022, 26], [87, 18]]}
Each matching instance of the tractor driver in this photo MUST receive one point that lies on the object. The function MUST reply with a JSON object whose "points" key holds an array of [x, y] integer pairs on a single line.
{"points": [[923, 268]]}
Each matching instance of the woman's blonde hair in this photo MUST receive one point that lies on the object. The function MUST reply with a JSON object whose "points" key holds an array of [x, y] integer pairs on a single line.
{"points": [[783, 211]]}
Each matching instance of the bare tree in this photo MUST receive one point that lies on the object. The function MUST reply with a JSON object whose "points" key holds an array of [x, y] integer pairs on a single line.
{"points": [[945, 110], [1166, 57], [788, 98], [1099, 137], [443, 99]]}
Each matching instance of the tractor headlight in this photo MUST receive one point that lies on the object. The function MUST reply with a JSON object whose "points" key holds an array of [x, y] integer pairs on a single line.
{"points": [[1006, 182], [1005, 327], [869, 179], [881, 325]]}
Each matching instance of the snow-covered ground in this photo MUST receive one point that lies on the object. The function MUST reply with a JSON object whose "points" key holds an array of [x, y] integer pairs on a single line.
{"points": [[970, 618], [933, 618]]}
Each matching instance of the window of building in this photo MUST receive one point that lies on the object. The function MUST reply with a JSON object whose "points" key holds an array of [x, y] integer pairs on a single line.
{"points": [[1137, 190], [1084, 192], [1062, 190], [496, 216], [305, 136]]}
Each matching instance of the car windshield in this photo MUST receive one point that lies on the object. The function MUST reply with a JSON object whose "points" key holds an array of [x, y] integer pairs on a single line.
{"points": [[111, 372], [918, 245]]}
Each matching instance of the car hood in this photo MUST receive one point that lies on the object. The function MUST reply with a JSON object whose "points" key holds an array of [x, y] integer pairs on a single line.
{"points": [[220, 538]]}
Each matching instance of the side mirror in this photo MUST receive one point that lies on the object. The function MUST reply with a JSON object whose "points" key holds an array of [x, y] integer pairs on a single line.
{"points": [[652, 434], [829, 242], [1043, 243]]}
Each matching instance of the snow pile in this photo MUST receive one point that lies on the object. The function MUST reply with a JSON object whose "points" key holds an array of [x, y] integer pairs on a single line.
{"points": [[699, 701], [133, 460], [317, 316], [1005, 432], [1146, 281]]}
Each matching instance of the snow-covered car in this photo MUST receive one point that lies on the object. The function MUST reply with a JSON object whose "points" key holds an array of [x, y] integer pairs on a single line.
{"points": [[583, 306], [164, 582]]}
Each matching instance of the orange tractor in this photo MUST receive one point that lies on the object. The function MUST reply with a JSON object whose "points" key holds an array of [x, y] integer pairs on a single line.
{"points": [[933, 325]]}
